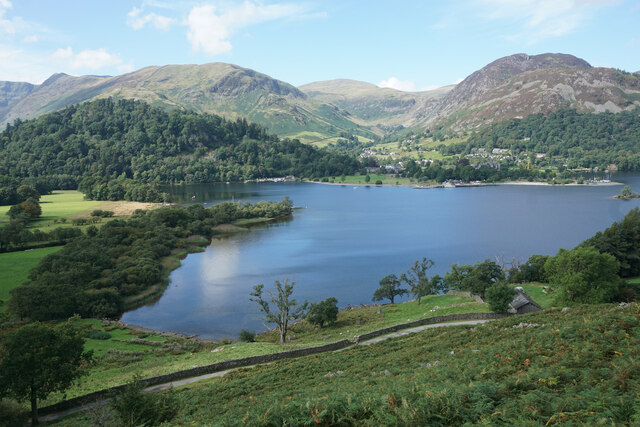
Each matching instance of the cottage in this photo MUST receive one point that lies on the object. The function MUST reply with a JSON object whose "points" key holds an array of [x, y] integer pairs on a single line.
{"points": [[522, 303]]}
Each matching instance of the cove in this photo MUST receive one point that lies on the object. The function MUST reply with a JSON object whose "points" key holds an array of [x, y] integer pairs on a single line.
{"points": [[346, 238]]}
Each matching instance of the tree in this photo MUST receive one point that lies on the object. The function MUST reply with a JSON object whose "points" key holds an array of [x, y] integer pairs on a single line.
{"points": [[367, 178], [622, 240], [419, 283], [475, 279], [286, 309], [584, 276], [499, 295], [25, 191], [37, 360], [31, 208], [531, 271], [389, 289], [627, 193], [323, 312], [28, 209]]}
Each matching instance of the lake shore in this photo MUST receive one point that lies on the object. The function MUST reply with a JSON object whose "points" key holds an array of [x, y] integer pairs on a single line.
{"points": [[573, 184], [427, 186]]}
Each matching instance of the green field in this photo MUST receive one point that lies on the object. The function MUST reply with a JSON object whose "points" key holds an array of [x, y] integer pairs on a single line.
{"points": [[15, 268], [59, 204], [578, 367], [63, 204]]}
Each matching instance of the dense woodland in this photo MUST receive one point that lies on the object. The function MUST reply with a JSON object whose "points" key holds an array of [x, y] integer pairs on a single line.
{"points": [[583, 139], [95, 272], [107, 139]]}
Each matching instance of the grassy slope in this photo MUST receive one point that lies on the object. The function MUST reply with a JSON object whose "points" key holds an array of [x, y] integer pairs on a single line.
{"points": [[59, 204], [579, 367], [118, 361], [15, 268]]}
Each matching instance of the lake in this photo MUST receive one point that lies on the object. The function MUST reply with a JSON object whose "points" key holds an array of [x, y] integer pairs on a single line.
{"points": [[346, 238]]}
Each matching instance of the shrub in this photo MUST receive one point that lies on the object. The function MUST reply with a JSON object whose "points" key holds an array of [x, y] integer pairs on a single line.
{"points": [[323, 312], [12, 414], [98, 335], [498, 296], [378, 182], [247, 336], [135, 408]]}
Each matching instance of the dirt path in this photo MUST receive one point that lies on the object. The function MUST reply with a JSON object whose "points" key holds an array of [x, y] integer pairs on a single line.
{"points": [[421, 328], [177, 383]]}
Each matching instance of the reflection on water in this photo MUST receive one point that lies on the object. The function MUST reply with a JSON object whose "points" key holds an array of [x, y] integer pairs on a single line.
{"points": [[348, 238]]}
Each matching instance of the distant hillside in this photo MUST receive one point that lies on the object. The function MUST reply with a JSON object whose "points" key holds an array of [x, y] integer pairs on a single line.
{"points": [[370, 102], [519, 85], [109, 139], [11, 93], [513, 86], [219, 88]]}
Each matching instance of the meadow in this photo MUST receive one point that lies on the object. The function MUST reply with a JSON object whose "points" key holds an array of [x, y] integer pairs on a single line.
{"points": [[15, 268]]}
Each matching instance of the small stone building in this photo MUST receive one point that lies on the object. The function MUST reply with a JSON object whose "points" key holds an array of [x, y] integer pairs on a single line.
{"points": [[522, 303]]}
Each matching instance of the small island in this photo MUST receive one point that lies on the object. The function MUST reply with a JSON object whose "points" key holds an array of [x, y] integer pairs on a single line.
{"points": [[626, 194]]}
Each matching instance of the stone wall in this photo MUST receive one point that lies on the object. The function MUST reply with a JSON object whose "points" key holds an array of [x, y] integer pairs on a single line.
{"points": [[253, 360], [194, 372], [464, 294]]}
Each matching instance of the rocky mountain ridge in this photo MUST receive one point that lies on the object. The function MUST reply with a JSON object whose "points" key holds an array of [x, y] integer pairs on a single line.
{"points": [[513, 86]]}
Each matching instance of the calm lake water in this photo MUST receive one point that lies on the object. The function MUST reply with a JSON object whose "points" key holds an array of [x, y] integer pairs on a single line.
{"points": [[347, 238]]}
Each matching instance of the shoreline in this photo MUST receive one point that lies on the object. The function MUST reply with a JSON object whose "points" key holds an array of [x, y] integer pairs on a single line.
{"points": [[466, 185]]}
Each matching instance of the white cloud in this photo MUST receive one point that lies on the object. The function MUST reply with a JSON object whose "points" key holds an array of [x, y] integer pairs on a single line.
{"points": [[32, 38], [210, 27], [137, 20], [89, 59], [395, 83], [19, 66], [541, 19]]}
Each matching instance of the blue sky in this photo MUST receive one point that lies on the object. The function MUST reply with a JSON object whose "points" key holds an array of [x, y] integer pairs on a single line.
{"points": [[409, 45]]}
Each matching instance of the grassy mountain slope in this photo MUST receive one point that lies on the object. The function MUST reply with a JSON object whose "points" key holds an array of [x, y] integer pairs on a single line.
{"points": [[219, 88], [513, 86], [577, 367], [370, 102]]}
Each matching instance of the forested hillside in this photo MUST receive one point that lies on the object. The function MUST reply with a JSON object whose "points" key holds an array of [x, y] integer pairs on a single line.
{"points": [[110, 139], [582, 139]]}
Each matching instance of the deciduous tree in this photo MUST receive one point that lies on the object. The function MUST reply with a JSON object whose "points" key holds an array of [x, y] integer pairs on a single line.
{"points": [[389, 289], [37, 360], [419, 283], [584, 276], [285, 307], [323, 312]]}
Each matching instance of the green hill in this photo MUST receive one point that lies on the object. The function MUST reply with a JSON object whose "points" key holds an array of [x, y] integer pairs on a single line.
{"points": [[575, 367], [110, 139]]}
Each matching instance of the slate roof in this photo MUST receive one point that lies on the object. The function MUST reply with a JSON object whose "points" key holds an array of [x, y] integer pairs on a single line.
{"points": [[521, 299]]}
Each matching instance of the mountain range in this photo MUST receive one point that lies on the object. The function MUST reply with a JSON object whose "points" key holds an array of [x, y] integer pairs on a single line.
{"points": [[512, 86]]}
